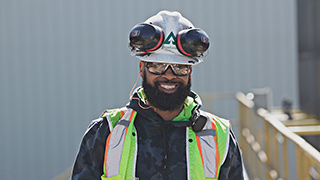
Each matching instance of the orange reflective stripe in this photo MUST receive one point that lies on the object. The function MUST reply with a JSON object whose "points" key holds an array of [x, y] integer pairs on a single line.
{"points": [[199, 147], [130, 119], [209, 153], [105, 154], [131, 116], [121, 113]]}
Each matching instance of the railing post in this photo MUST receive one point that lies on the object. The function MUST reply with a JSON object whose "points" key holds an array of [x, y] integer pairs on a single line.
{"points": [[285, 160], [276, 154], [275, 136], [267, 145]]}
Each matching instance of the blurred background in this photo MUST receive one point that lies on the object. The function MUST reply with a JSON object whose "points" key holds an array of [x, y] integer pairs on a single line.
{"points": [[62, 62]]}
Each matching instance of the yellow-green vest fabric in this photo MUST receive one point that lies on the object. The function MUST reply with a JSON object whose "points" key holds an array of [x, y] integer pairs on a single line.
{"points": [[206, 150]]}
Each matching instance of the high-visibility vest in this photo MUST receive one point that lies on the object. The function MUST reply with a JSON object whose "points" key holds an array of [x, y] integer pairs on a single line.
{"points": [[206, 150]]}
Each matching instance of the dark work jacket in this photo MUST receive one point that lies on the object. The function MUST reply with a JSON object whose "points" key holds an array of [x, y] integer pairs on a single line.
{"points": [[161, 150]]}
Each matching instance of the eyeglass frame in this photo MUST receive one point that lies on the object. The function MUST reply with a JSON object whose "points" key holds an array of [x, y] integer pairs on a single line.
{"points": [[172, 66]]}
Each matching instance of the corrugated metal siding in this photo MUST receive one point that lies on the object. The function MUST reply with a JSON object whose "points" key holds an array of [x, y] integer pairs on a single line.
{"points": [[64, 61]]}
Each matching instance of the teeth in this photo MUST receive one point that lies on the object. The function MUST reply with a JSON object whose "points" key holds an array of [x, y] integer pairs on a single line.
{"points": [[168, 86]]}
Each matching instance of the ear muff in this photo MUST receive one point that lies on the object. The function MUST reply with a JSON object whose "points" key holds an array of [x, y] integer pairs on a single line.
{"points": [[192, 42], [146, 37], [196, 121], [199, 123]]}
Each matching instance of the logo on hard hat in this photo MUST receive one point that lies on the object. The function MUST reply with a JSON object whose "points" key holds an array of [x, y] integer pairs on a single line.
{"points": [[170, 39]]}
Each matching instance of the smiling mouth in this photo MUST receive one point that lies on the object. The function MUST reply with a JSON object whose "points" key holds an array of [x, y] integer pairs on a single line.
{"points": [[168, 87]]}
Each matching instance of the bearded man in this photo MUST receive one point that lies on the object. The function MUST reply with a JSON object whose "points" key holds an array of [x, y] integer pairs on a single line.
{"points": [[161, 133]]}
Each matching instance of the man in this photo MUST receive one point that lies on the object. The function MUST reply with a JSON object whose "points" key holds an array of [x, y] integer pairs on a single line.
{"points": [[161, 133]]}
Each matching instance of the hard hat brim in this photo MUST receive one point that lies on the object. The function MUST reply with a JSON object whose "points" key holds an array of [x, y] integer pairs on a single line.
{"points": [[168, 58]]}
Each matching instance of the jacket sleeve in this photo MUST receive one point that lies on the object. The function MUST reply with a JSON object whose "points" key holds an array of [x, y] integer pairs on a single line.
{"points": [[232, 168], [89, 161]]}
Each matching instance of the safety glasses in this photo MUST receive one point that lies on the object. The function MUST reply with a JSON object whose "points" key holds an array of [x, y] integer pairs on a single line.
{"points": [[147, 38], [161, 68]]}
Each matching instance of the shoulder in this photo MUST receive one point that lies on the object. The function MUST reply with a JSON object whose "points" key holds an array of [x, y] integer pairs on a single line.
{"points": [[112, 116], [97, 128], [88, 163], [96, 123], [102, 126], [221, 122]]}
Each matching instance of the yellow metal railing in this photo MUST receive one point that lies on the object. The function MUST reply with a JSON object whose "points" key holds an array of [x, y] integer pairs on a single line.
{"points": [[271, 150]]}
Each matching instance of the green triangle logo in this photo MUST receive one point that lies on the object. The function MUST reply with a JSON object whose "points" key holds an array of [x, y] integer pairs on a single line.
{"points": [[170, 39]]}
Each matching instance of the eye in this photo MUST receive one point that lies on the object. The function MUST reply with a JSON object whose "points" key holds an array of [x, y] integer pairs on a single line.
{"points": [[157, 68], [158, 65], [181, 70], [181, 67]]}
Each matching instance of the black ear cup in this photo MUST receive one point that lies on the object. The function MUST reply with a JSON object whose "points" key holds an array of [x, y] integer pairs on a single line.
{"points": [[146, 37], [192, 42], [196, 121], [199, 124]]}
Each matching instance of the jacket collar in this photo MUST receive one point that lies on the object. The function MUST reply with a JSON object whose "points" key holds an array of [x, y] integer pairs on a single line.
{"points": [[138, 103]]}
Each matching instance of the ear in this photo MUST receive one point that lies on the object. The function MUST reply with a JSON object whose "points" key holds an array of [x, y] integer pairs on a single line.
{"points": [[141, 68], [191, 70]]}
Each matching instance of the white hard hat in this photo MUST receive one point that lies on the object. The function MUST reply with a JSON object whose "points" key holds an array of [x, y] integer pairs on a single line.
{"points": [[168, 37]]}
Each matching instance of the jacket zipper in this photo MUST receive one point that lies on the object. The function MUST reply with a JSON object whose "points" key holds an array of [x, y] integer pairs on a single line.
{"points": [[165, 158]]}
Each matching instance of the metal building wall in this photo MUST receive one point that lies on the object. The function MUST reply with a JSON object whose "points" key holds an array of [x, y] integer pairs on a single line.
{"points": [[62, 62], [309, 56]]}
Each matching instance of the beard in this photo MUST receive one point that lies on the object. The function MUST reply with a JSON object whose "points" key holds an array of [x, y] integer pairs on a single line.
{"points": [[165, 101]]}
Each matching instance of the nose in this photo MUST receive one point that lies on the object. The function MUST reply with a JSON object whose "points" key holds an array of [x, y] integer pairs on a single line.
{"points": [[169, 73]]}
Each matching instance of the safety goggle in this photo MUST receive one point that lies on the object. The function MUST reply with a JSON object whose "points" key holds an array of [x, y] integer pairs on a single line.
{"points": [[161, 68], [148, 37]]}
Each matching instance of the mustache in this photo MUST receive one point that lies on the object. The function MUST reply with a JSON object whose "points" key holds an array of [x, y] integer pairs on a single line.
{"points": [[162, 100], [169, 81]]}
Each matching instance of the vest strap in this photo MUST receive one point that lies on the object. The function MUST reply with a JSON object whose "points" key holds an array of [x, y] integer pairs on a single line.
{"points": [[207, 132], [115, 144], [124, 122], [207, 143]]}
